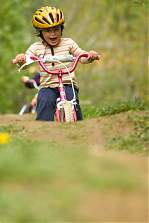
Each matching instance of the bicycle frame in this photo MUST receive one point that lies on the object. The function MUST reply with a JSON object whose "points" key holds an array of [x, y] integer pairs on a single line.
{"points": [[62, 100], [65, 110]]}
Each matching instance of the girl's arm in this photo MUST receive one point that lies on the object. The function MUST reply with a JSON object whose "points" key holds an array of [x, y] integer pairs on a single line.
{"points": [[76, 50]]}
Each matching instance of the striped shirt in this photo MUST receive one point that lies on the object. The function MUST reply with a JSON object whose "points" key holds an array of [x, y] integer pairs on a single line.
{"points": [[66, 46]]}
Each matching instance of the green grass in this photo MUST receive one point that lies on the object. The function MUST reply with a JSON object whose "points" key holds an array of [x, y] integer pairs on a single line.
{"points": [[12, 129], [114, 108], [138, 140], [46, 181], [23, 160]]}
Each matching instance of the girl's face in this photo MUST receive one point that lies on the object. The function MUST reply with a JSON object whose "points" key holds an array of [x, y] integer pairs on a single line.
{"points": [[52, 35]]}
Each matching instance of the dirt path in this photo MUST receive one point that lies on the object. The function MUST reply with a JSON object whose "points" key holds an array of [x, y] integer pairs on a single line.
{"points": [[93, 132]]}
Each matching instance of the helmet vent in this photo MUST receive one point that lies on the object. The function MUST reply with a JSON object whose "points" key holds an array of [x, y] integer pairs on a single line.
{"points": [[51, 17], [57, 17], [38, 20], [61, 14], [46, 20]]}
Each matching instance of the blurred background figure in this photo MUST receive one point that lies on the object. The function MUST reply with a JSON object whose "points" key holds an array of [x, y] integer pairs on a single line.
{"points": [[30, 83]]}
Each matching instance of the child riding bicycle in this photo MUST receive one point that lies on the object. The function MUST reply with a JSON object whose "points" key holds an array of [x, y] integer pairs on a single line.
{"points": [[49, 24]]}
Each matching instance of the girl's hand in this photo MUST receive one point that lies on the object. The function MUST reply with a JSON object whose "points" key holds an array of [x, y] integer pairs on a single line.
{"points": [[19, 59], [94, 56]]}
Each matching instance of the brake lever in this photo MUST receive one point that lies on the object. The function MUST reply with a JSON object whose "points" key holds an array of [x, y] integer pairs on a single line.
{"points": [[28, 62]]}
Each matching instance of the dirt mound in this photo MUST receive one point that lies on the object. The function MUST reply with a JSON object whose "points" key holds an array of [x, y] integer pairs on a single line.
{"points": [[94, 132], [91, 131]]}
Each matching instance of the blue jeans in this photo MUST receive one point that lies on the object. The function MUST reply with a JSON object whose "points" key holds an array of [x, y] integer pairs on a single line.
{"points": [[46, 103]]}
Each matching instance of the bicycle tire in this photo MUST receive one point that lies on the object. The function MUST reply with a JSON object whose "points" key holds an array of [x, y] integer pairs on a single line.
{"points": [[62, 115], [68, 112], [57, 115]]}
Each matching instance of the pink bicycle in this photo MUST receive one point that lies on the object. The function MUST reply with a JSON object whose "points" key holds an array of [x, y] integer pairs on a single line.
{"points": [[65, 109]]}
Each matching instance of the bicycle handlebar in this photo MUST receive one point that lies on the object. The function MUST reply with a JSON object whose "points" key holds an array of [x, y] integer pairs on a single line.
{"points": [[62, 58], [68, 58]]}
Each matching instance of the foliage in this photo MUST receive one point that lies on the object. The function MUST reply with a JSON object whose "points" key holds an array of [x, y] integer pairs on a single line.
{"points": [[115, 108], [117, 29]]}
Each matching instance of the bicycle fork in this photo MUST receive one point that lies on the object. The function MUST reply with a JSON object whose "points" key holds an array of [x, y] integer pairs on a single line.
{"points": [[65, 110]]}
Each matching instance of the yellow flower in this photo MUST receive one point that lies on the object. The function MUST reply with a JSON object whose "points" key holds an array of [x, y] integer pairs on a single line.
{"points": [[4, 137]]}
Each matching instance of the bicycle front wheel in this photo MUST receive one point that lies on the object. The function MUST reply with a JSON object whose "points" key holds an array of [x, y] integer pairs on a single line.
{"points": [[66, 113]]}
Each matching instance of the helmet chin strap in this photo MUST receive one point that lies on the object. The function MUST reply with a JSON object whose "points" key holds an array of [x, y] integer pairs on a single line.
{"points": [[51, 47], [52, 52]]}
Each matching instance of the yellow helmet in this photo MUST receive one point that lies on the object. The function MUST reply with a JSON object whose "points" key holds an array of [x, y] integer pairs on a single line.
{"points": [[47, 17]]}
